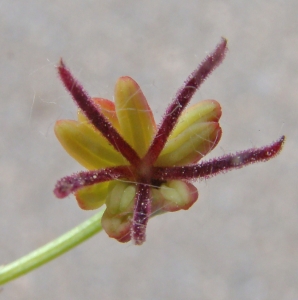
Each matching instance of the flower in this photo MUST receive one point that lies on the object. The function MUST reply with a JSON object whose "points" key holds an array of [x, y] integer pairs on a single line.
{"points": [[138, 169]]}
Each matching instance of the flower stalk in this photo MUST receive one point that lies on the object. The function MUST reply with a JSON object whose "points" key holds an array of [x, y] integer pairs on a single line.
{"points": [[51, 250]]}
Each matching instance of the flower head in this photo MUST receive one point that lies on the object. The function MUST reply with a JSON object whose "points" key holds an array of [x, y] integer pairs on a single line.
{"points": [[138, 169]]}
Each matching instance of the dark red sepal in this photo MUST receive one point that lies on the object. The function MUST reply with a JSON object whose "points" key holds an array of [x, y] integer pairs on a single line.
{"points": [[221, 164], [142, 210], [85, 103], [182, 98], [70, 184]]}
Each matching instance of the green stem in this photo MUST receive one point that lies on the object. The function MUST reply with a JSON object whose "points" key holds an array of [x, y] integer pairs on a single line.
{"points": [[51, 250]]}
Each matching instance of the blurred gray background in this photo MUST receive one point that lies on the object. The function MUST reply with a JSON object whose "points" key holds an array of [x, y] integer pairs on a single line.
{"points": [[240, 240]]}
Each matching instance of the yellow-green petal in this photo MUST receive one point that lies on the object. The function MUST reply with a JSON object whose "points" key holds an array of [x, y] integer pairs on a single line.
{"points": [[87, 145], [92, 197], [190, 145], [196, 133], [204, 111], [134, 114]]}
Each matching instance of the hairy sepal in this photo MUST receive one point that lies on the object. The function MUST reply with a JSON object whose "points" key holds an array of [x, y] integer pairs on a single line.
{"points": [[107, 108]]}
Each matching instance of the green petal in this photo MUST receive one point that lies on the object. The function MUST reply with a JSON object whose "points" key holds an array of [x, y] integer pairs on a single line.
{"points": [[116, 220], [120, 198], [92, 197], [87, 145], [157, 202], [134, 114], [117, 227], [197, 133], [172, 196], [178, 195]]}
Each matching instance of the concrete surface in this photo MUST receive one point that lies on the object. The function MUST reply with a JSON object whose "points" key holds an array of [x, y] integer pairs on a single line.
{"points": [[240, 240]]}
